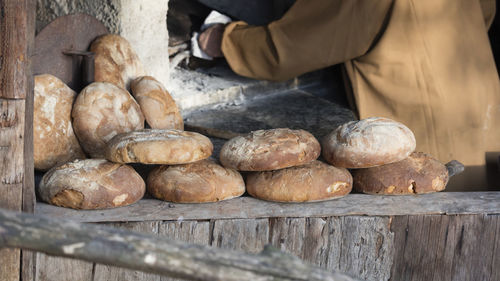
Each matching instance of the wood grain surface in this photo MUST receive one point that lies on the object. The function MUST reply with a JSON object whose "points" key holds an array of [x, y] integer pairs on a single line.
{"points": [[16, 110], [113, 273], [249, 235], [414, 247], [462, 247], [247, 207], [49, 268], [197, 232], [17, 37]]}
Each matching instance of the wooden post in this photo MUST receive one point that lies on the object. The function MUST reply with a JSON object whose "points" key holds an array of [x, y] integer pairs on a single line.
{"points": [[17, 19]]}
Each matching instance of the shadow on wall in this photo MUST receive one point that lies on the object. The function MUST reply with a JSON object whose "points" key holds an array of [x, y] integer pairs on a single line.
{"points": [[478, 178], [494, 34]]}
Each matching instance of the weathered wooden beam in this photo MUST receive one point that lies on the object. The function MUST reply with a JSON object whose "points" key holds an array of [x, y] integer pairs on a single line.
{"points": [[28, 261], [17, 25], [150, 253], [15, 35], [418, 248], [248, 207]]}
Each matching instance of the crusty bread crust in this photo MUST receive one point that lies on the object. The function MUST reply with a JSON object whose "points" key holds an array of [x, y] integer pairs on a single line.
{"points": [[419, 173], [273, 149], [368, 143], [316, 181], [157, 105], [91, 184], [101, 111], [155, 146], [199, 182], [54, 141], [115, 61]]}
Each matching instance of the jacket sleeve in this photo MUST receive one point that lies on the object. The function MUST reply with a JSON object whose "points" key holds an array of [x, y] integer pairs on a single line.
{"points": [[311, 35]]}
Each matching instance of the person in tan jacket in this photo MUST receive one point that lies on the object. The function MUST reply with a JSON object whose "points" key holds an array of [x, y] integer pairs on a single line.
{"points": [[425, 63]]}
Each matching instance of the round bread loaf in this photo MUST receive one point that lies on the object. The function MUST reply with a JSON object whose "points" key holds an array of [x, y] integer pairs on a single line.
{"points": [[54, 141], [155, 146], [368, 143], [199, 182], [115, 61], [315, 181], [273, 149], [419, 173], [101, 111], [157, 105], [91, 184]]}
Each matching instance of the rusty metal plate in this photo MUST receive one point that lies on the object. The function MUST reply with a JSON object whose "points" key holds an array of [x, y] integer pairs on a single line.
{"points": [[71, 32]]}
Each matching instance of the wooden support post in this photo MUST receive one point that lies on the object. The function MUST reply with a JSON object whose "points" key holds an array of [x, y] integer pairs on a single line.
{"points": [[17, 19]]}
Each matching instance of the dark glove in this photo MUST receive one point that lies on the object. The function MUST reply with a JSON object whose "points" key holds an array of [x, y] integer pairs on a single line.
{"points": [[210, 40]]}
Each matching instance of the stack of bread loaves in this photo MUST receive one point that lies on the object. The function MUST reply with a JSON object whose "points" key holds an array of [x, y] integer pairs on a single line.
{"points": [[108, 122], [67, 125], [100, 111], [185, 174], [282, 166], [381, 153]]}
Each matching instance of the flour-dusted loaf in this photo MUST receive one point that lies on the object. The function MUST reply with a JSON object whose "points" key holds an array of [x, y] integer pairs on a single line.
{"points": [[316, 181], [419, 173], [54, 141], [157, 105], [115, 61], [155, 146], [101, 111], [199, 182], [91, 184], [273, 149], [368, 143]]}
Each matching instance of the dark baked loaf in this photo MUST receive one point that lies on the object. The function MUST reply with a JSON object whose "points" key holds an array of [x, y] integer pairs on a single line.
{"points": [[154, 146], [202, 181], [91, 184], [273, 149], [316, 181], [368, 143], [419, 173]]}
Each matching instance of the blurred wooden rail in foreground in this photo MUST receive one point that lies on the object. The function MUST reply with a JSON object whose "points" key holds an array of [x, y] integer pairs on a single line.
{"points": [[151, 254]]}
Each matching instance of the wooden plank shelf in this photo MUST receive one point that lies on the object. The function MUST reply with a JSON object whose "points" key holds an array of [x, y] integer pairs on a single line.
{"points": [[444, 203]]}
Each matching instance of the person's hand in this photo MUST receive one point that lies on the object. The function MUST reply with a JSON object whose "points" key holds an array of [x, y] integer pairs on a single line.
{"points": [[210, 40]]}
